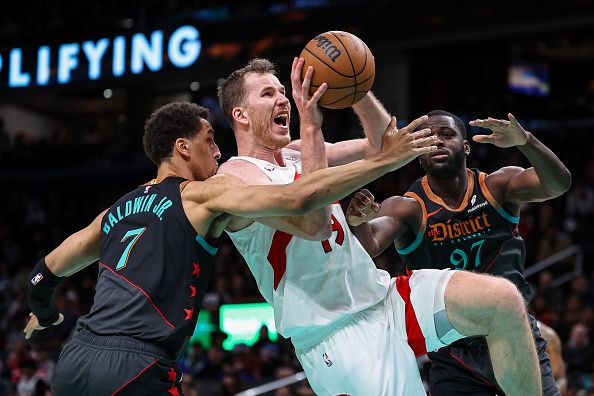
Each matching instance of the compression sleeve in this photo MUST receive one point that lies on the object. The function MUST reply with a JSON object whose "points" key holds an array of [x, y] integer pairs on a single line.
{"points": [[40, 293]]}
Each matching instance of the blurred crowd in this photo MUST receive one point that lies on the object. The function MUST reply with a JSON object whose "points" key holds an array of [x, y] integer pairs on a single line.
{"points": [[38, 212]]}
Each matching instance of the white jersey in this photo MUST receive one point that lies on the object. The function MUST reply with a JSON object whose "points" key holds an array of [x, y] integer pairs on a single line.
{"points": [[310, 284]]}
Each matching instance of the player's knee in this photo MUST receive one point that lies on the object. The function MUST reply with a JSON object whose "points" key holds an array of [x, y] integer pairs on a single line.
{"points": [[508, 304]]}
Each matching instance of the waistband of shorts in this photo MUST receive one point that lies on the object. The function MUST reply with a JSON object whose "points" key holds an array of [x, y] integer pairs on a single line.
{"points": [[120, 342], [313, 337]]}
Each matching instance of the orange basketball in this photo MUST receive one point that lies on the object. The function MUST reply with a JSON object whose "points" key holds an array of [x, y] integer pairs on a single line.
{"points": [[343, 61]]}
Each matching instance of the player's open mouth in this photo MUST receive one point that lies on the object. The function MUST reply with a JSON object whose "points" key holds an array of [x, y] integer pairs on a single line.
{"points": [[281, 120]]}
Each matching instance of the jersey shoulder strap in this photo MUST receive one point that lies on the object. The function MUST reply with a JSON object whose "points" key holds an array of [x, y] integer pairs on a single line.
{"points": [[482, 181]]}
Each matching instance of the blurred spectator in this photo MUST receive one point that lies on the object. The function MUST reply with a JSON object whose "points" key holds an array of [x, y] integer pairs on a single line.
{"points": [[573, 311], [543, 312], [552, 240], [580, 199], [553, 297], [208, 372], [579, 357], [231, 382], [581, 287], [44, 362], [189, 385], [268, 353], [263, 339], [30, 383]]}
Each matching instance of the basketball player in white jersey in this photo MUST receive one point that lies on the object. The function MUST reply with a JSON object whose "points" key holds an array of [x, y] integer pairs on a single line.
{"points": [[354, 329]]}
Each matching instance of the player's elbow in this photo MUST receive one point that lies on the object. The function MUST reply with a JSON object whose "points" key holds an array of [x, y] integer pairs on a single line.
{"points": [[372, 250], [321, 230], [316, 232], [318, 224], [562, 185], [566, 185]]}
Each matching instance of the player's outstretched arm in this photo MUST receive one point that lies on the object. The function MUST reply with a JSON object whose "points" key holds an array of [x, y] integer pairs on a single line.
{"points": [[75, 253], [374, 119], [377, 226], [325, 185], [546, 179]]}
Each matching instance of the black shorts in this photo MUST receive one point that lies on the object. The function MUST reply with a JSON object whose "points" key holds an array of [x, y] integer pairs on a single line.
{"points": [[92, 365], [464, 368]]}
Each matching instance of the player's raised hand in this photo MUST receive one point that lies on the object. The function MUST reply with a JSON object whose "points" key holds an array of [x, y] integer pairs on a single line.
{"points": [[309, 111], [400, 147], [505, 133], [362, 208], [34, 324]]}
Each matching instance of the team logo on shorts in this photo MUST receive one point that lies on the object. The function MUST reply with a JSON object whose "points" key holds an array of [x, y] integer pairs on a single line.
{"points": [[36, 279], [327, 359]]}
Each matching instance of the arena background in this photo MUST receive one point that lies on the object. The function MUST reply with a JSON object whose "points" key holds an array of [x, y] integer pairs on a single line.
{"points": [[70, 142]]}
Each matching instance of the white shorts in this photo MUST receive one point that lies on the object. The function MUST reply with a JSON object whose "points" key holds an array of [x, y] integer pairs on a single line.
{"points": [[373, 353]]}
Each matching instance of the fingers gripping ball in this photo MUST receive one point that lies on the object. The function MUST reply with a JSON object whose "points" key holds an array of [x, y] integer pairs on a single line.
{"points": [[344, 62]]}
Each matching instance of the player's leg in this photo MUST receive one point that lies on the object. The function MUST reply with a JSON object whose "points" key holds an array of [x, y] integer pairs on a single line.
{"points": [[463, 369], [451, 380], [365, 356], [428, 328], [141, 374], [493, 307], [126, 371], [72, 370], [102, 365]]}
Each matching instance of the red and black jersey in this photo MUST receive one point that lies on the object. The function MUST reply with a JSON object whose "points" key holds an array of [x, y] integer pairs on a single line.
{"points": [[153, 269], [479, 235]]}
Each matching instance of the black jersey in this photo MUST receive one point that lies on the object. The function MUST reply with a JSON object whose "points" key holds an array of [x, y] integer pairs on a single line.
{"points": [[153, 269], [479, 235]]}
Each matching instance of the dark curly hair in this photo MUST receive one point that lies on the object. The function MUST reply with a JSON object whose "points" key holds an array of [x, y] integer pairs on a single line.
{"points": [[167, 124], [231, 91]]}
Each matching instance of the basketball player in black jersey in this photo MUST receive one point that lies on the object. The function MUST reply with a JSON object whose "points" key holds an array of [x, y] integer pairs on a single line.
{"points": [[464, 219], [155, 247]]}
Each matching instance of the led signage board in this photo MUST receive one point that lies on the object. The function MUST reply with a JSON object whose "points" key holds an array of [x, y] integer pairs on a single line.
{"points": [[105, 57]]}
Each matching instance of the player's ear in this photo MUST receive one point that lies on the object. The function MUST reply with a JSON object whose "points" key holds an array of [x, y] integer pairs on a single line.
{"points": [[182, 147], [466, 147], [239, 115]]}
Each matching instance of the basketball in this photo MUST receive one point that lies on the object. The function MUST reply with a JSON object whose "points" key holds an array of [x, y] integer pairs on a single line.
{"points": [[344, 62]]}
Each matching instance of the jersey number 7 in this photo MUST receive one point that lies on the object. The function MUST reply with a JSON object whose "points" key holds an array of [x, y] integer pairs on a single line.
{"points": [[136, 233]]}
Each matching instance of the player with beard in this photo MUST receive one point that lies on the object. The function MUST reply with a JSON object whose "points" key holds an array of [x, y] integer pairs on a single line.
{"points": [[156, 249], [354, 329], [464, 219]]}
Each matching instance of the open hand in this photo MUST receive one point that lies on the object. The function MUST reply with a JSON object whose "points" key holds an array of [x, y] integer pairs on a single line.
{"points": [[309, 111], [400, 146], [362, 208], [505, 133], [34, 324]]}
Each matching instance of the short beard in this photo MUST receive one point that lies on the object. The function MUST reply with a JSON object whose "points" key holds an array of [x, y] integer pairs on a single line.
{"points": [[447, 171], [263, 134]]}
